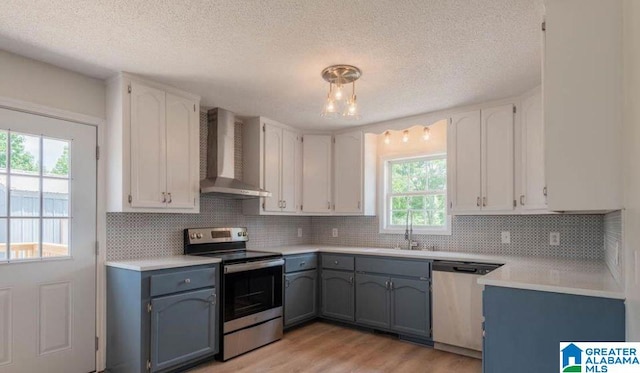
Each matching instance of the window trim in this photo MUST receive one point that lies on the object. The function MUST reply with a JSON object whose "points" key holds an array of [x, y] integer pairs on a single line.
{"points": [[384, 196]]}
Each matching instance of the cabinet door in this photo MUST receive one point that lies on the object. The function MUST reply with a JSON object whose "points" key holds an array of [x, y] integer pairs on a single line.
{"points": [[300, 297], [148, 147], [348, 172], [463, 156], [316, 173], [272, 164], [410, 307], [337, 295], [182, 152], [497, 158], [290, 174], [183, 328], [372, 300], [532, 179]]}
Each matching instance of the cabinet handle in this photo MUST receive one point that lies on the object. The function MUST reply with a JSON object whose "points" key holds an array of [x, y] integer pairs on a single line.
{"points": [[351, 280], [358, 205], [213, 298], [544, 191], [478, 201], [286, 283], [386, 285], [522, 200], [335, 262], [284, 204], [391, 285], [302, 264], [187, 280], [170, 198], [484, 201], [164, 197], [328, 205]]}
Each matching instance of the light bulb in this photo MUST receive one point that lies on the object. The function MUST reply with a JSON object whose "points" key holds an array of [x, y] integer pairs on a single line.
{"points": [[405, 136], [426, 134], [338, 93], [329, 109], [387, 138], [351, 110]]}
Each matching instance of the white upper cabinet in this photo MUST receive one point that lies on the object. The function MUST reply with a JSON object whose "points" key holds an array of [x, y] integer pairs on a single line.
{"points": [[480, 154], [531, 167], [497, 158], [354, 173], [152, 147], [316, 174], [582, 95], [272, 153], [463, 160]]}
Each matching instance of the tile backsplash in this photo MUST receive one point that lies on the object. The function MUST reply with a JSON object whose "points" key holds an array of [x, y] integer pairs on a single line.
{"points": [[140, 235], [613, 244], [581, 236]]}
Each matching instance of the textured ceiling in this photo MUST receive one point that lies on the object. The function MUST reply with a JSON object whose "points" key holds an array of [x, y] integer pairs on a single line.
{"points": [[265, 57]]}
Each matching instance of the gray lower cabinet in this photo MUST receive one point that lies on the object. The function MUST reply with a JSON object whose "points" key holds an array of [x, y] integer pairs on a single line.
{"points": [[397, 304], [524, 328], [162, 320], [337, 295], [300, 297]]}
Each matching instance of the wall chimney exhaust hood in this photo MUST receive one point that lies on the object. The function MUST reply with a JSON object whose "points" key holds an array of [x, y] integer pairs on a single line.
{"points": [[220, 160]]}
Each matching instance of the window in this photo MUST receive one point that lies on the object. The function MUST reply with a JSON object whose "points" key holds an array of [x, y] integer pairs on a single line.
{"points": [[416, 189], [34, 197]]}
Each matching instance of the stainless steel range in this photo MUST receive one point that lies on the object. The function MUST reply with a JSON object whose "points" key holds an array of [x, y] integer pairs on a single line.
{"points": [[251, 292]]}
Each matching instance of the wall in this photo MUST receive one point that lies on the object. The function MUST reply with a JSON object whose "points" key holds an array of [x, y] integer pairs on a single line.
{"points": [[581, 236], [613, 252], [36, 82], [137, 235], [631, 167]]}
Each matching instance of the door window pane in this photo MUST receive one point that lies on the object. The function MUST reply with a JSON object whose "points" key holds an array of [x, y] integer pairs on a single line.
{"points": [[3, 240], [55, 158], [55, 237], [55, 194], [4, 141], [25, 154], [25, 239], [3, 195], [25, 196]]}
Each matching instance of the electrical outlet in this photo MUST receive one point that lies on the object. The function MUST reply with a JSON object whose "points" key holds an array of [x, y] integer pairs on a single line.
{"points": [[334, 232], [506, 237], [616, 253], [299, 232], [554, 238]]}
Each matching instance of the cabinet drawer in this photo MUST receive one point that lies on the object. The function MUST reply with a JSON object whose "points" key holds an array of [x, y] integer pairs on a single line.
{"points": [[398, 267], [182, 280], [295, 263], [337, 262]]}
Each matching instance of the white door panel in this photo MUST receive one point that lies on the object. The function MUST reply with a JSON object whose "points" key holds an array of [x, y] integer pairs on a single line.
{"points": [[532, 163], [497, 158], [272, 162], [182, 132], [47, 305], [348, 172], [289, 171], [148, 146], [464, 160], [316, 173]]}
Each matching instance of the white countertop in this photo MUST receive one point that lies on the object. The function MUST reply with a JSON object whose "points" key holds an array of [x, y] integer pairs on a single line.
{"points": [[152, 264], [569, 276]]}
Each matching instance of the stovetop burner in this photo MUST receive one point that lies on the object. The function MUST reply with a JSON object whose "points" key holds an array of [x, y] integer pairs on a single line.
{"points": [[228, 244]]}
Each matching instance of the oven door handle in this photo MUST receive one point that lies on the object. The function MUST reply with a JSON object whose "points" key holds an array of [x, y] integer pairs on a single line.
{"points": [[242, 267]]}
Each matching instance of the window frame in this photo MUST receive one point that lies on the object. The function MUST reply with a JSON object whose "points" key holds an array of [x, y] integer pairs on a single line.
{"points": [[385, 195]]}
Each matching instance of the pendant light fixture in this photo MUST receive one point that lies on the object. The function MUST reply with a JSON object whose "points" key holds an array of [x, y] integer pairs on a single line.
{"points": [[338, 101]]}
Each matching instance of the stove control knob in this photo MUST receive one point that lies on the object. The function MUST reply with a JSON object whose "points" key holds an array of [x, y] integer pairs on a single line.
{"points": [[199, 235], [193, 236], [239, 234], [244, 234]]}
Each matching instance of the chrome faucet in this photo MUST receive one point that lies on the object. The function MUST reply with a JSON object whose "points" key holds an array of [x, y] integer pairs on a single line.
{"points": [[408, 233]]}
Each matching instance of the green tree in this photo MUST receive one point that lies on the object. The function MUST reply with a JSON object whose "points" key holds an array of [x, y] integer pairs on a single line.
{"points": [[20, 159], [62, 164]]}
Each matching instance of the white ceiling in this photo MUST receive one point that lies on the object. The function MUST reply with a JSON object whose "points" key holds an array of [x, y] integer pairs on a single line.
{"points": [[265, 57]]}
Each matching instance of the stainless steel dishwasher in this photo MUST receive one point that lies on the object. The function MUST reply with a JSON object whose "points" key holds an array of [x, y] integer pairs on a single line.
{"points": [[457, 306]]}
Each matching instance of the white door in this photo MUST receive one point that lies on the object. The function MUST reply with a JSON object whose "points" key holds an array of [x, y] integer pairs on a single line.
{"points": [[182, 152], [464, 161], [148, 147], [497, 158], [532, 178], [47, 244], [348, 172], [290, 173], [272, 162], [316, 173]]}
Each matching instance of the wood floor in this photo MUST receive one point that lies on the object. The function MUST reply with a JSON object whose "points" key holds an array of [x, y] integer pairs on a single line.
{"points": [[324, 347]]}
